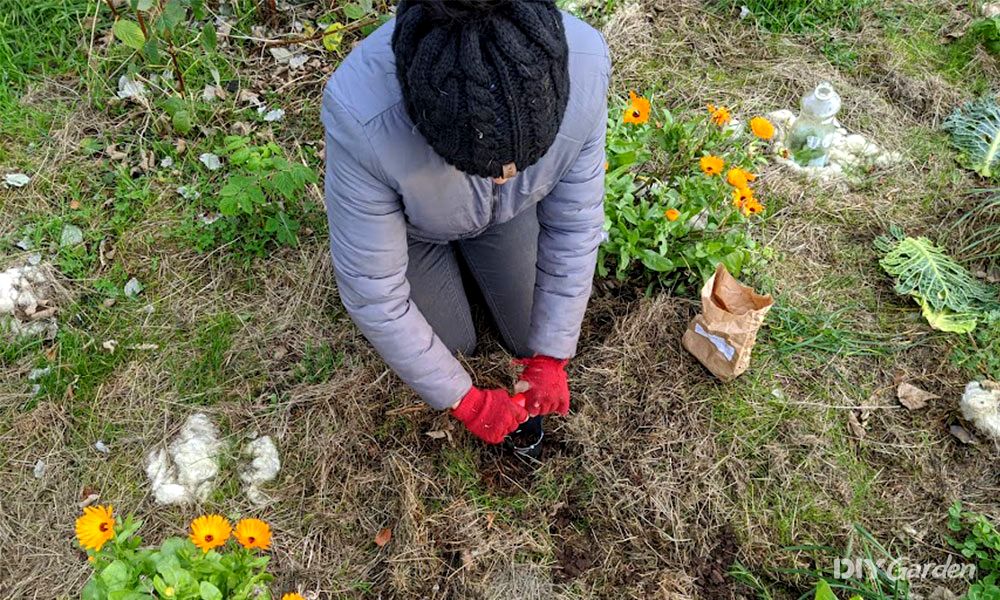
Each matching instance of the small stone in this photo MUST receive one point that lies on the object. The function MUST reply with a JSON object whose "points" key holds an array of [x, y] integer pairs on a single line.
{"points": [[16, 180], [274, 115], [101, 447], [211, 161], [38, 373], [297, 61], [133, 288], [187, 193], [71, 236], [166, 162], [39, 470], [128, 88]]}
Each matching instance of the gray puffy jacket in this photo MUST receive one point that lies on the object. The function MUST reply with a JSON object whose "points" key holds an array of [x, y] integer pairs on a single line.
{"points": [[384, 183]]}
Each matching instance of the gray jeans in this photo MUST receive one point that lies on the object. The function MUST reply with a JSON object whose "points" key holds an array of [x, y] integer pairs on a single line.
{"points": [[501, 262]]}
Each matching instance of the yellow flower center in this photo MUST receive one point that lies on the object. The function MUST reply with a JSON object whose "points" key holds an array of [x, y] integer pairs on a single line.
{"points": [[168, 591]]}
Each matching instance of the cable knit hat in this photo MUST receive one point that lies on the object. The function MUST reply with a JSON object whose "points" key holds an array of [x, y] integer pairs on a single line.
{"points": [[485, 81]]}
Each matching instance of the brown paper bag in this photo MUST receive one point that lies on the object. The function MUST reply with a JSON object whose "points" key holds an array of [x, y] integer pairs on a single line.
{"points": [[723, 335]]}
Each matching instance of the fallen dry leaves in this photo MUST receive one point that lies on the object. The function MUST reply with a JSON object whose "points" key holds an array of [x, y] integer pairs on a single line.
{"points": [[913, 397]]}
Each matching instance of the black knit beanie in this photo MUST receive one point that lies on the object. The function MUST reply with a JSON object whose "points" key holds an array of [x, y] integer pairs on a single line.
{"points": [[485, 81]]}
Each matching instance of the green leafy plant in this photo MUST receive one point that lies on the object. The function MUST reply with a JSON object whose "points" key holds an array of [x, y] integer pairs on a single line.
{"points": [[986, 32], [177, 568], [666, 218], [950, 297], [260, 203], [975, 134], [166, 33], [980, 544]]}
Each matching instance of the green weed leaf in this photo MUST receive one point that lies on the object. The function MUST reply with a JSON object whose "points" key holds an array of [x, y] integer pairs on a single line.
{"points": [[209, 38], [823, 591], [182, 122], [173, 14], [354, 12], [129, 33]]}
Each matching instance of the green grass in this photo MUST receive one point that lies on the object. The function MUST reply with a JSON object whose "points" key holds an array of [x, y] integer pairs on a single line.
{"points": [[913, 30], [42, 38], [202, 378], [803, 16]]}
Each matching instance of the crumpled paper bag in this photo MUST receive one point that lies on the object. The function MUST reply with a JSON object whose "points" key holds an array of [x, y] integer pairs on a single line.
{"points": [[723, 335]]}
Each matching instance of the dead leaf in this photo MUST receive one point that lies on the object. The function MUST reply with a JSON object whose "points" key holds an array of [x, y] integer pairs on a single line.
{"points": [[74, 204], [88, 500], [114, 153], [913, 397], [489, 520], [437, 435], [856, 427], [50, 353], [110, 345], [383, 536], [144, 347], [180, 146], [961, 434]]}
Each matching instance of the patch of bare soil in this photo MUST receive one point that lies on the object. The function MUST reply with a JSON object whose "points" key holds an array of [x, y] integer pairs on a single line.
{"points": [[713, 569]]}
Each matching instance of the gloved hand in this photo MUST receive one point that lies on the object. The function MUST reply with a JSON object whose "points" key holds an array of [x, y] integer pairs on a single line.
{"points": [[490, 414], [548, 385]]}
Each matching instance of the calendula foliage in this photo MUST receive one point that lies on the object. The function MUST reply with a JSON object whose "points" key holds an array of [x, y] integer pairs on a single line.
{"points": [[975, 133], [981, 545], [123, 569], [951, 298]]}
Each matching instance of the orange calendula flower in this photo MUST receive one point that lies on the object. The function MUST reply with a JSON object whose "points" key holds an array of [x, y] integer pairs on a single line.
{"points": [[741, 196], [753, 207], [719, 115], [712, 165], [253, 533], [95, 527], [292, 596], [210, 531], [740, 178], [672, 214], [637, 111], [762, 128]]}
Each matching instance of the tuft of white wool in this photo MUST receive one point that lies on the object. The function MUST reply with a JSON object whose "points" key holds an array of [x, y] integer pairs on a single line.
{"points": [[185, 471], [25, 291], [263, 468], [980, 405]]}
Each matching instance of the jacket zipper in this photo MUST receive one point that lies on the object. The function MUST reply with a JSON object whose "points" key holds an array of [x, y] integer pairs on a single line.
{"points": [[495, 207]]}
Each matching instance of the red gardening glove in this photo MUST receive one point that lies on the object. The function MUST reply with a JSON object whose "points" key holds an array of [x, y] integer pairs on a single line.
{"points": [[490, 414], [549, 391]]}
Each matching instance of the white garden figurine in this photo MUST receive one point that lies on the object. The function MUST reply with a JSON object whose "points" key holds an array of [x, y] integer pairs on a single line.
{"points": [[980, 405]]}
